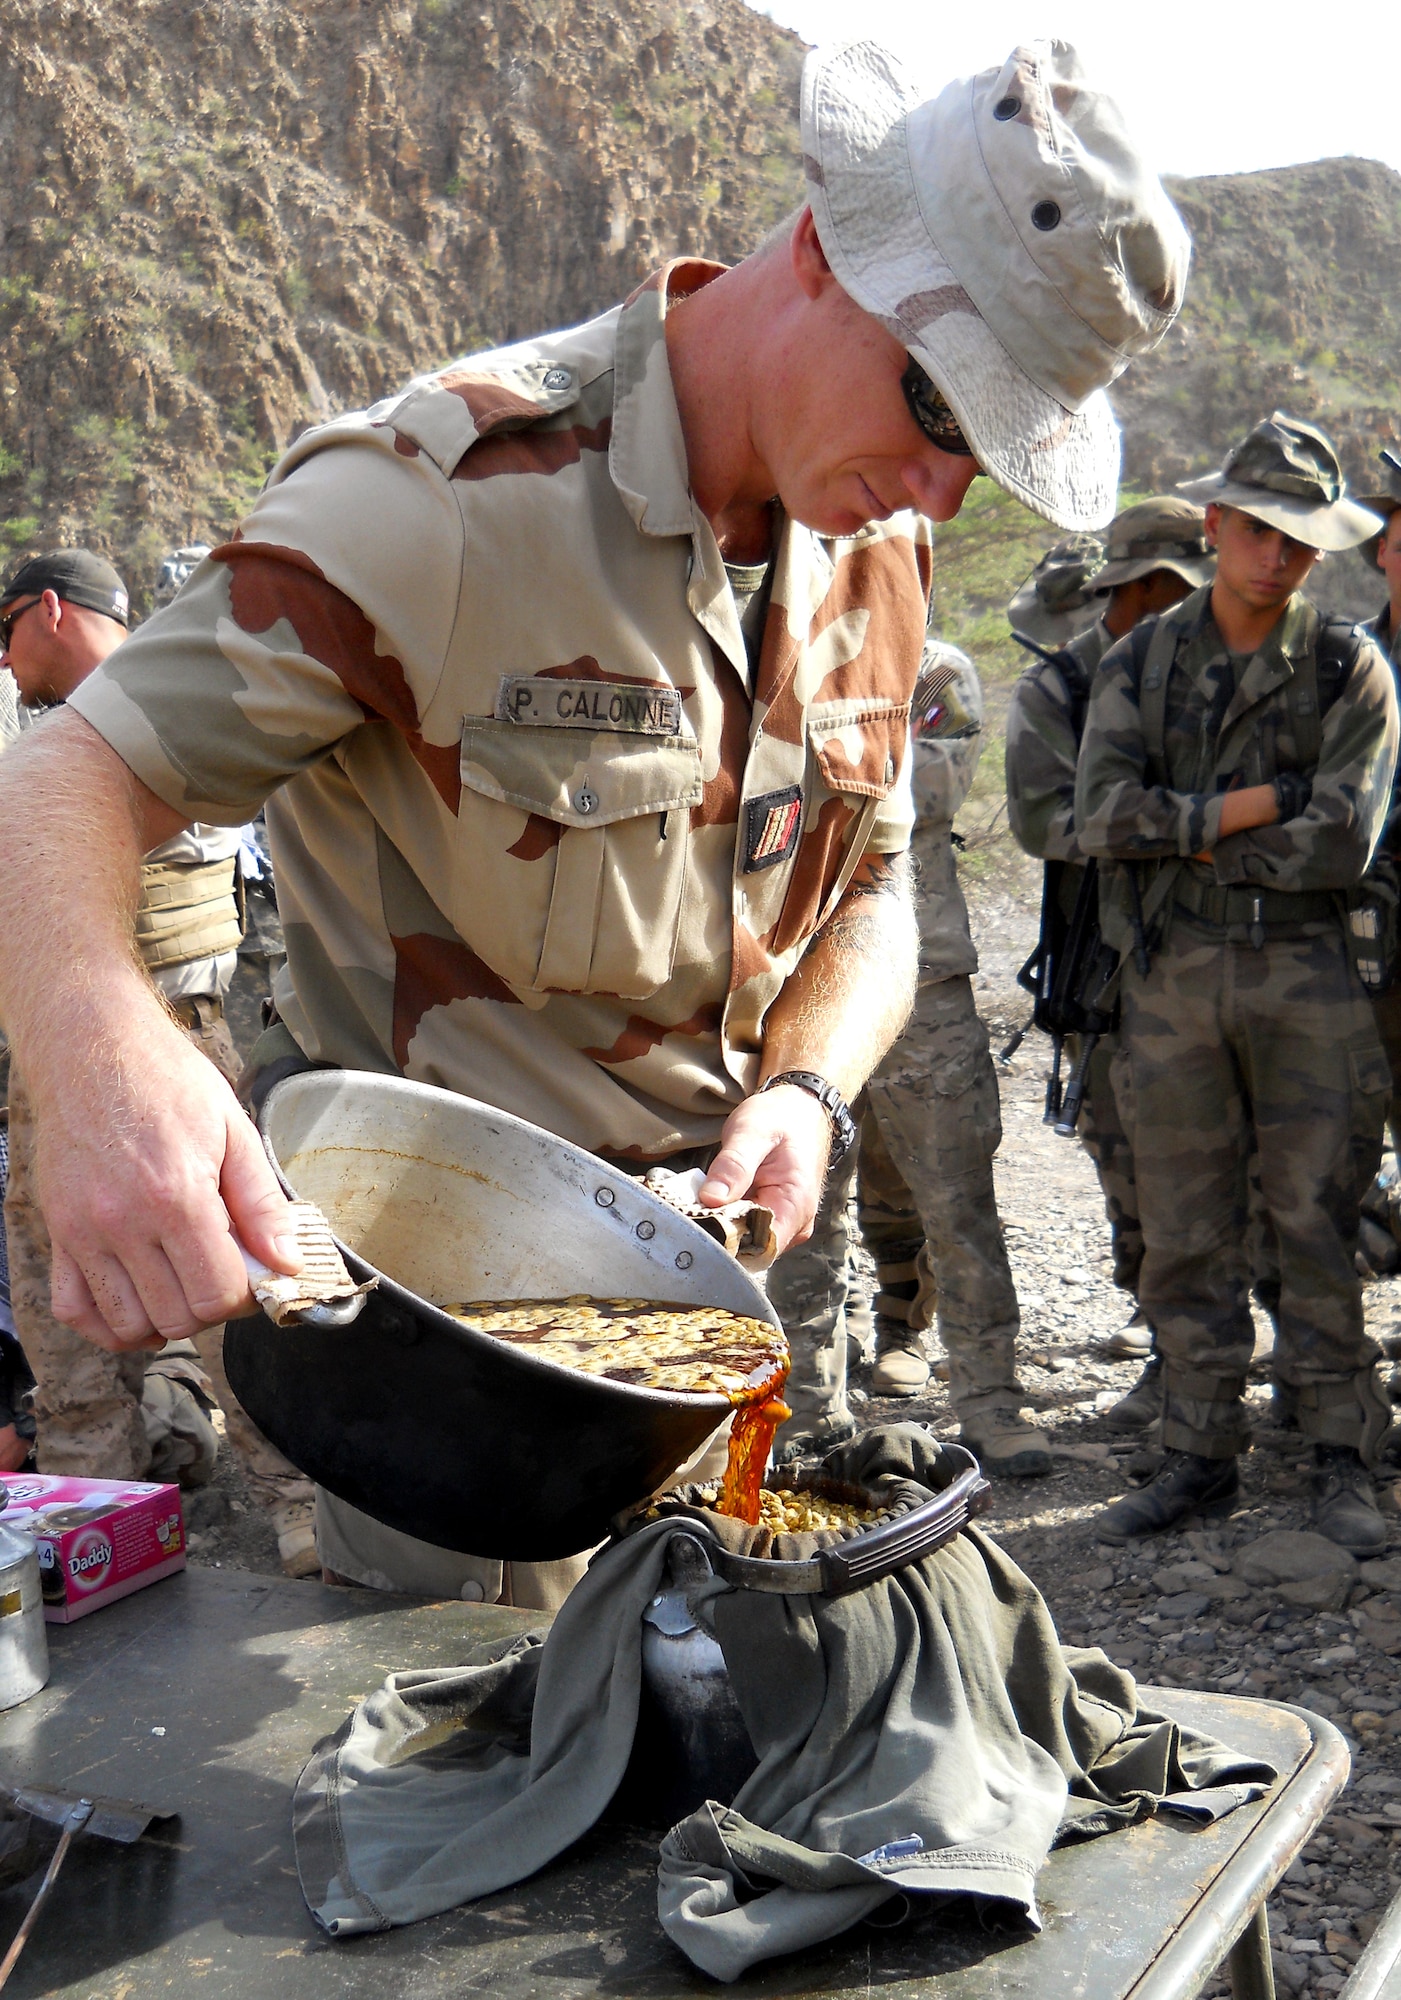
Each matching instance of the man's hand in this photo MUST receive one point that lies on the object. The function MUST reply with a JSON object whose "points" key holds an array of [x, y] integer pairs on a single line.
{"points": [[146, 1167], [774, 1150], [147, 1172]]}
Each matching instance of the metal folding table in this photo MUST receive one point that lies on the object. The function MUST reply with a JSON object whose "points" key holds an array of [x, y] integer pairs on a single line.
{"points": [[204, 1694]]}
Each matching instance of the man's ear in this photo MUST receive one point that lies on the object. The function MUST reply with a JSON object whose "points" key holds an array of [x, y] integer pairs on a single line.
{"points": [[810, 266], [51, 610], [1211, 527]]}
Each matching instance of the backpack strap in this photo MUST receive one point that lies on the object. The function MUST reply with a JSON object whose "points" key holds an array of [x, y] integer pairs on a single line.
{"points": [[1154, 643]]}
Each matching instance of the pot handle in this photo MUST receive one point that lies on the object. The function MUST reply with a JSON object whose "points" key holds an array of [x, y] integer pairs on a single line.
{"points": [[328, 1315]]}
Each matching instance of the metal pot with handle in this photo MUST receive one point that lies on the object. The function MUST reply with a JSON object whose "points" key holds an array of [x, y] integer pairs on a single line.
{"points": [[428, 1425]]}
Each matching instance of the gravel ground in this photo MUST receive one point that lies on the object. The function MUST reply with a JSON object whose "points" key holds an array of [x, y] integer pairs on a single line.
{"points": [[1224, 1608]]}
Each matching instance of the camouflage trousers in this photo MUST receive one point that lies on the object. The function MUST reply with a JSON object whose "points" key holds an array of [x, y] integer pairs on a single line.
{"points": [[1232, 1049], [88, 1402], [930, 1124], [930, 1128], [1104, 1138], [1386, 1010]]}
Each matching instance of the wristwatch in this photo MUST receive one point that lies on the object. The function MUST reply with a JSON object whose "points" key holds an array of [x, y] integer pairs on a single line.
{"points": [[832, 1102]]}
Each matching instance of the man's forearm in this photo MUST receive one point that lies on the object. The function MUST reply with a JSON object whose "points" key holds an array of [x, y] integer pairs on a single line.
{"points": [[854, 988], [72, 829]]}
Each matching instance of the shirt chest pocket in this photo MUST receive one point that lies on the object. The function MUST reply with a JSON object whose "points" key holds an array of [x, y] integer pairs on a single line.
{"points": [[572, 854]]}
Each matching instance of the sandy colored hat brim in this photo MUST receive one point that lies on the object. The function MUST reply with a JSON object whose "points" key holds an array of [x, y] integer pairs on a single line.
{"points": [[1062, 463], [1319, 524], [1194, 570]]}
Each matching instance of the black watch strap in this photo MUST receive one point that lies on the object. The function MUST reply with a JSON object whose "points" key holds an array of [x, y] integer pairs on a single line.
{"points": [[832, 1102]]}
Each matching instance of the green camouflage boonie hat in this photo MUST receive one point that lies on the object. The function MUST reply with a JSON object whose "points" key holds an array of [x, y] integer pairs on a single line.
{"points": [[1013, 238], [1287, 474], [1387, 498], [1057, 600], [1163, 533]]}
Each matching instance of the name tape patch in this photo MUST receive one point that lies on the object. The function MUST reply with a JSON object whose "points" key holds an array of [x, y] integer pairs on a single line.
{"points": [[771, 824], [548, 704]]}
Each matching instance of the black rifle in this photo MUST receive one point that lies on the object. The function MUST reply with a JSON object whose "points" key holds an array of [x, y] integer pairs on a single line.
{"points": [[1072, 976]]}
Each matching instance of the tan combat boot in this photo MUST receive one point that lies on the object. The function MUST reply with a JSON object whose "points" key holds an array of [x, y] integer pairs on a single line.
{"points": [[902, 1366], [1005, 1445], [295, 1525]]}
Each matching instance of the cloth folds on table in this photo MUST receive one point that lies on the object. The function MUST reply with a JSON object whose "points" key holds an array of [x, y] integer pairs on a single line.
{"points": [[926, 1734]]}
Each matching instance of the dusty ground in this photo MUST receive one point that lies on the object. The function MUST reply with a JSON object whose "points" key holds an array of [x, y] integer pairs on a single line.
{"points": [[1205, 1626]]}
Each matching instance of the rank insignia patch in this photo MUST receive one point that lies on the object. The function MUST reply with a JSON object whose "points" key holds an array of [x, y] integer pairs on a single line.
{"points": [[771, 824]]}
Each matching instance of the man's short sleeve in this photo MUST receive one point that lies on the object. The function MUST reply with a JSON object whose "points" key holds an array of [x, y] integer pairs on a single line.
{"points": [[333, 606], [894, 823]]}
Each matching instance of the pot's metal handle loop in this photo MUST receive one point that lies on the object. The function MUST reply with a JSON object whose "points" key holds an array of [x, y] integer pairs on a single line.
{"points": [[852, 1565]]}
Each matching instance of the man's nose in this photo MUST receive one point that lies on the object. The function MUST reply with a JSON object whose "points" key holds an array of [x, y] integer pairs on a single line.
{"points": [[938, 481]]}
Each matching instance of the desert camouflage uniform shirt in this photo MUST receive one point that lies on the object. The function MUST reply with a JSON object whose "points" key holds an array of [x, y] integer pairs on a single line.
{"points": [[538, 839], [945, 763], [1219, 729], [1043, 744]]}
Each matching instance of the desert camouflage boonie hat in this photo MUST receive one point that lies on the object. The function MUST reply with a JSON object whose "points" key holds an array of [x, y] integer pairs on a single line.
{"points": [[1163, 533], [1011, 236], [1057, 600], [1286, 474]]}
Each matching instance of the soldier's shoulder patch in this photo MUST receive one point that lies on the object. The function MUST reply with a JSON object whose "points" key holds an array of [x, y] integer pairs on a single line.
{"points": [[771, 824]]}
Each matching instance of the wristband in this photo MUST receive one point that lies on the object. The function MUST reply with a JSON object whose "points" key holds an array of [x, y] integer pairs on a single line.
{"points": [[832, 1102]]}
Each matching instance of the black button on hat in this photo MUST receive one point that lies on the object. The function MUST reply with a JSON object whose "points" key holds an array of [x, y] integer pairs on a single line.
{"points": [[75, 575]]}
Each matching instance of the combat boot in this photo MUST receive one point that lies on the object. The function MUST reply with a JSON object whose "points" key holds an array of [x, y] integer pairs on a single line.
{"points": [[295, 1526], [1345, 1501], [1133, 1341], [1006, 1447], [902, 1366], [826, 1434], [1186, 1484], [1143, 1405]]}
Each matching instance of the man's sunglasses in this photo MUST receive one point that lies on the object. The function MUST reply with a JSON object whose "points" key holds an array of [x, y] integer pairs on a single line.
{"points": [[9, 620], [933, 414]]}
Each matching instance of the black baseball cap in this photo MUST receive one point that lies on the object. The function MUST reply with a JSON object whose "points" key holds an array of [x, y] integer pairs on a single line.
{"points": [[77, 576]]}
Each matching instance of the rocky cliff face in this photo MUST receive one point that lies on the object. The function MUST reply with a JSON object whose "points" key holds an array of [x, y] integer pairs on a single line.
{"points": [[1294, 303], [221, 221]]}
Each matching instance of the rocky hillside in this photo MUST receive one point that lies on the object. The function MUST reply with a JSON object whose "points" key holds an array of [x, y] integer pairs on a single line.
{"points": [[1294, 303], [221, 220]]}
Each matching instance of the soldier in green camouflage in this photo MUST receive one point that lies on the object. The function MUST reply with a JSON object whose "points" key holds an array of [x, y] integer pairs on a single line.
{"points": [[1385, 628], [1237, 766], [1156, 553]]}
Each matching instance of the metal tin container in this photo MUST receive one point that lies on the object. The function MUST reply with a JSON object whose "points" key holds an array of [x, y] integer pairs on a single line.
{"points": [[24, 1639]]}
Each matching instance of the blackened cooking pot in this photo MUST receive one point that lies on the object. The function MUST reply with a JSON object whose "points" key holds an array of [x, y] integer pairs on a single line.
{"points": [[427, 1425]]}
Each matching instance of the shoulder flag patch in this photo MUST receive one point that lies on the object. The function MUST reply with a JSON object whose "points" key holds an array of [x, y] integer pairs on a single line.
{"points": [[771, 824]]}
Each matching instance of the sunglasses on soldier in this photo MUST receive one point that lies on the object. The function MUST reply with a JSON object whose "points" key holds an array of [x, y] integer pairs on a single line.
{"points": [[933, 415], [9, 619]]}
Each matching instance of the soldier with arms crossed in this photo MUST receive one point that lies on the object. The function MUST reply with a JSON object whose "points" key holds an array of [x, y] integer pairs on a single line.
{"points": [[1237, 764]]}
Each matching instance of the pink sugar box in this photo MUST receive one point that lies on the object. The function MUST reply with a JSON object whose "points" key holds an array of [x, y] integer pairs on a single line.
{"points": [[99, 1539]]}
